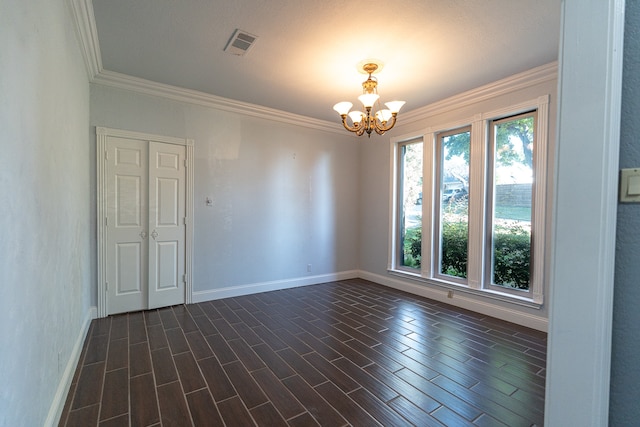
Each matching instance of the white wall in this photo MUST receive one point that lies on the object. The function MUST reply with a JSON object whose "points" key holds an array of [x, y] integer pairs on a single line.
{"points": [[44, 208], [375, 189], [284, 196], [582, 276]]}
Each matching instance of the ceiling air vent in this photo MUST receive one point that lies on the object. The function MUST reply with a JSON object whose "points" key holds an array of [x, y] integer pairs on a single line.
{"points": [[240, 42]]}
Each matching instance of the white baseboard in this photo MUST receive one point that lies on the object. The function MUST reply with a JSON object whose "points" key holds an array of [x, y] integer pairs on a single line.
{"points": [[235, 291], [57, 406], [461, 300]]}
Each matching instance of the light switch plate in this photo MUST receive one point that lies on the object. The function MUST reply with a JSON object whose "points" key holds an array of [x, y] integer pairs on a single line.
{"points": [[630, 185]]}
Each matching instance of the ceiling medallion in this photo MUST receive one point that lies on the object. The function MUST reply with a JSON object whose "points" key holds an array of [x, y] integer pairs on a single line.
{"points": [[374, 118]]}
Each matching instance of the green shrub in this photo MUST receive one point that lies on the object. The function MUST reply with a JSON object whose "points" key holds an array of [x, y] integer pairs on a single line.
{"points": [[512, 252], [455, 237], [413, 247], [512, 246]]}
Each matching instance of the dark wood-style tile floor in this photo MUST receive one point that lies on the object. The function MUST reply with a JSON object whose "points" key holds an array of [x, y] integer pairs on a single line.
{"points": [[341, 353]]}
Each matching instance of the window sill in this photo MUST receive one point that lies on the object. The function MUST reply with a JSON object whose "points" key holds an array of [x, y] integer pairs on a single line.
{"points": [[485, 293]]}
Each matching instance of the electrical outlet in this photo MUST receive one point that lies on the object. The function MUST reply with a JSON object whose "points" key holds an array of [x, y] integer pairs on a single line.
{"points": [[450, 294], [308, 268]]}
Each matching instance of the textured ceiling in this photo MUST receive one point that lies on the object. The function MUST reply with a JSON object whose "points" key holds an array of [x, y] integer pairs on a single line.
{"points": [[305, 59]]}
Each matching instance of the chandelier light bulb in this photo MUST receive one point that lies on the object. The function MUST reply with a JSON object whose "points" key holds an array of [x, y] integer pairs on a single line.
{"points": [[356, 116], [343, 108], [368, 99], [384, 115], [394, 106]]}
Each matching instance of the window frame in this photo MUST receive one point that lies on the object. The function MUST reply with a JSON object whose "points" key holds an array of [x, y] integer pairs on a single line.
{"points": [[436, 259], [478, 179], [490, 207], [398, 246]]}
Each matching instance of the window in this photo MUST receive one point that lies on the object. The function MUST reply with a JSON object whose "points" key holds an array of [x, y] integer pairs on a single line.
{"points": [[481, 223], [410, 204], [452, 208], [510, 202]]}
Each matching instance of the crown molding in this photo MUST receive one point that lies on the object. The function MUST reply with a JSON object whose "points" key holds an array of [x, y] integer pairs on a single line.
{"points": [[86, 31], [87, 34], [148, 87], [519, 81]]}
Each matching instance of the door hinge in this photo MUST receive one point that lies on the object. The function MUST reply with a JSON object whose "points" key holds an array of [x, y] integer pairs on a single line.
{"points": [[185, 163], [106, 154], [106, 221], [184, 220], [106, 286], [184, 278]]}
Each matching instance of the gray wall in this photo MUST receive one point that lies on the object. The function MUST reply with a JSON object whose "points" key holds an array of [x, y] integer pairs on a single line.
{"points": [[284, 196], [44, 206], [625, 372]]}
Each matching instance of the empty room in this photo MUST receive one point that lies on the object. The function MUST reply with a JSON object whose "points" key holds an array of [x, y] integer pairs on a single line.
{"points": [[317, 213]]}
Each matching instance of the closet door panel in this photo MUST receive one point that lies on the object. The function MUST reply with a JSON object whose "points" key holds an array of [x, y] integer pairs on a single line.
{"points": [[167, 224], [126, 219]]}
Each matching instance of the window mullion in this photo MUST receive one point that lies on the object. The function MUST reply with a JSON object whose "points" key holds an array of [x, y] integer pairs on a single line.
{"points": [[428, 206], [477, 176]]}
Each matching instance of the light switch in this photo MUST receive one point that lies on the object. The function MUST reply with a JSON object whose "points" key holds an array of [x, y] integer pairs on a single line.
{"points": [[630, 185], [633, 188]]}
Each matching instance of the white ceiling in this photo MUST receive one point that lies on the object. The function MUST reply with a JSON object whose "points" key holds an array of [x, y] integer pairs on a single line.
{"points": [[305, 59]]}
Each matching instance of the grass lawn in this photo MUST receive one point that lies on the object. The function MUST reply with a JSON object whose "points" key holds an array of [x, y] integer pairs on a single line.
{"points": [[517, 213]]}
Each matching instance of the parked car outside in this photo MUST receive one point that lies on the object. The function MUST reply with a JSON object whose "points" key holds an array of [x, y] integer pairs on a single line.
{"points": [[454, 194]]}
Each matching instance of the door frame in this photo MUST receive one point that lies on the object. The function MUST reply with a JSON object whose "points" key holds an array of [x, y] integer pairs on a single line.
{"points": [[102, 134]]}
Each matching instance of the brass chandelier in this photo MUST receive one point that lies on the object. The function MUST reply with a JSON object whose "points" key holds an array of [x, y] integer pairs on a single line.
{"points": [[374, 118]]}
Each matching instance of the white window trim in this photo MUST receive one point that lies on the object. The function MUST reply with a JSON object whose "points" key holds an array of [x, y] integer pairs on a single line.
{"points": [[436, 212], [541, 104], [393, 254], [477, 174], [477, 184]]}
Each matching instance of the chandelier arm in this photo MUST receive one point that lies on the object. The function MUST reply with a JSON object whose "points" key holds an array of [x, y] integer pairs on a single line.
{"points": [[346, 125], [383, 128]]}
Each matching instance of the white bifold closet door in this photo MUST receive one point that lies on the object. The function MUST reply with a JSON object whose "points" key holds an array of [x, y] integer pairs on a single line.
{"points": [[145, 224]]}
